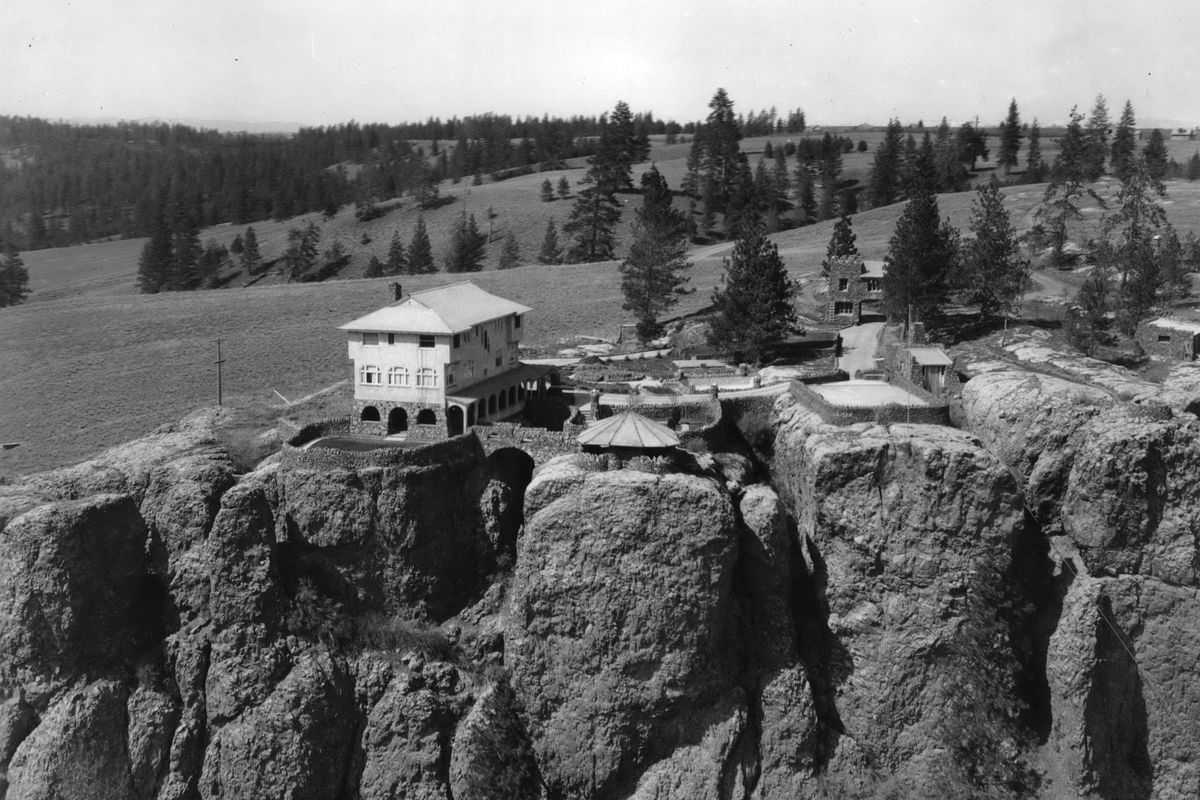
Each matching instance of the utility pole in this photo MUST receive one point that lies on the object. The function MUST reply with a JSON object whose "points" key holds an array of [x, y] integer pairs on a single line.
{"points": [[220, 361]]}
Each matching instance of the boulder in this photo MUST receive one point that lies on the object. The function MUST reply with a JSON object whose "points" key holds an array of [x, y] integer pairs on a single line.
{"points": [[620, 627], [405, 539], [1124, 677], [1029, 422], [1132, 503], [491, 758], [908, 531], [295, 743], [78, 751], [72, 584]]}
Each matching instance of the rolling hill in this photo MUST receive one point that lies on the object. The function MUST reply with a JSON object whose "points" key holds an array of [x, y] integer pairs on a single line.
{"points": [[88, 362]]}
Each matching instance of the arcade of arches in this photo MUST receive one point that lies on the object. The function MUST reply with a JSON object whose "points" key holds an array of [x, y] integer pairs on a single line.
{"points": [[488, 401]]}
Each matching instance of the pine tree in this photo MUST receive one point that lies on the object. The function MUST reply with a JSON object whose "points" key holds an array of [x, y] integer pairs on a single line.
{"points": [[972, 145], [691, 178], [753, 307], [613, 164], [922, 257], [1035, 168], [951, 172], [593, 220], [1155, 154], [251, 259], [510, 251], [374, 269], [722, 161], [564, 187], [1124, 145], [884, 184], [831, 173], [466, 250], [1067, 187], [1088, 322], [1096, 140], [237, 245], [550, 253], [154, 266], [14, 278], [301, 252], [842, 241], [396, 263], [1140, 246], [653, 275], [1010, 139], [420, 251], [547, 191], [994, 275]]}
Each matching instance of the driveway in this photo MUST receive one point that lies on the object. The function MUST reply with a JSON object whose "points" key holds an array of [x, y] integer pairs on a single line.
{"points": [[859, 343]]}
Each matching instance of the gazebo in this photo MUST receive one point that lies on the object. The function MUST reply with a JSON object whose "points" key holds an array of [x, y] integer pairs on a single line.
{"points": [[628, 433]]}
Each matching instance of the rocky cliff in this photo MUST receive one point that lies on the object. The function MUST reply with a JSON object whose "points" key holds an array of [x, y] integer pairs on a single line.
{"points": [[1007, 610]]}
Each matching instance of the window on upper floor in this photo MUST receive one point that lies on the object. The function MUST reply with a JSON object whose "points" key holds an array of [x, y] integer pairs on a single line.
{"points": [[426, 377], [425, 340], [516, 320], [391, 338], [843, 284], [486, 343], [457, 341], [370, 339], [872, 284], [369, 375], [397, 376], [499, 360]]}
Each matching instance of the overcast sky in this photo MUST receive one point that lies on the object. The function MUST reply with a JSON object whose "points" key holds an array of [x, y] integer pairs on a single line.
{"points": [[842, 61]]}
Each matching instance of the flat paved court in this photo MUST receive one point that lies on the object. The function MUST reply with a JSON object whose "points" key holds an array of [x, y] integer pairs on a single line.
{"points": [[865, 394]]}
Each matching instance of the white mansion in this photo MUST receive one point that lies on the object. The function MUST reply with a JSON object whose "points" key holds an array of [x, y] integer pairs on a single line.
{"points": [[445, 358]]}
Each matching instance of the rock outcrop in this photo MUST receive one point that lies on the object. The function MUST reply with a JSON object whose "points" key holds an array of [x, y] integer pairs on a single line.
{"points": [[620, 629], [908, 532], [902, 610], [1029, 421]]}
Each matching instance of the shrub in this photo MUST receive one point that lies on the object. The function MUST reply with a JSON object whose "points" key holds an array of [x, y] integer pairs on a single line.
{"points": [[377, 631]]}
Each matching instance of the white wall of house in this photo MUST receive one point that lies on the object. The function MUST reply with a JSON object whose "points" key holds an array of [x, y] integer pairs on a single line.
{"points": [[397, 368]]}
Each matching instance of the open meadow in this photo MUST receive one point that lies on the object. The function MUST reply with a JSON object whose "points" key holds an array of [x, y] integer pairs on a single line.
{"points": [[87, 362]]}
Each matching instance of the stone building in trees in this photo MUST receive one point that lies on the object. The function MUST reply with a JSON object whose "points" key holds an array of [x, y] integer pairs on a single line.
{"points": [[855, 291], [439, 361], [1169, 338]]}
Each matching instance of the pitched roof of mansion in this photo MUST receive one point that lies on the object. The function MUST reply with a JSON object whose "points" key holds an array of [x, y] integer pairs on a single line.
{"points": [[447, 309]]}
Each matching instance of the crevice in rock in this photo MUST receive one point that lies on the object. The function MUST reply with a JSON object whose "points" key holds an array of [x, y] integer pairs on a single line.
{"points": [[1115, 715], [1037, 606], [826, 662]]}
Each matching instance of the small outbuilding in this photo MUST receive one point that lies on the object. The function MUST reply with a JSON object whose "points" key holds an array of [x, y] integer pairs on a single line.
{"points": [[932, 363], [628, 434], [1169, 338]]}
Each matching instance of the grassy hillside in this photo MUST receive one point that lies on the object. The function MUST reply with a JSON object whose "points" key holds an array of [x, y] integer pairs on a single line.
{"points": [[88, 362]]}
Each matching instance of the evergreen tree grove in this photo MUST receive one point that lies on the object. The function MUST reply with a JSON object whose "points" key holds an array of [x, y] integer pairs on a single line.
{"points": [[14, 278], [753, 305]]}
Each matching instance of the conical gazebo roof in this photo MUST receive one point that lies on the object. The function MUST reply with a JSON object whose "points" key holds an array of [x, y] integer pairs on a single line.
{"points": [[629, 429]]}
